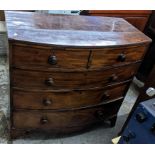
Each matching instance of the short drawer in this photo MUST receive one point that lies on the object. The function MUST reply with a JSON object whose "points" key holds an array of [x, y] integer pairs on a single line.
{"points": [[66, 100], [46, 57], [71, 80], [63, 119], [118, 56]]}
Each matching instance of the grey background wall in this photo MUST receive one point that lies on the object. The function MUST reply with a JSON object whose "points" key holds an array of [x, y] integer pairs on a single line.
{"points": [[3, 34]]}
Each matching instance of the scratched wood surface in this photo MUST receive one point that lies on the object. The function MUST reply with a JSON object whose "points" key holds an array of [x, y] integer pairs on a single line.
{"points": [[69, 30]]}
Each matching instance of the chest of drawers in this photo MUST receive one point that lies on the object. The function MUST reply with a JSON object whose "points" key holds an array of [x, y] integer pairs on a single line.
{"points": [[69, 72]]}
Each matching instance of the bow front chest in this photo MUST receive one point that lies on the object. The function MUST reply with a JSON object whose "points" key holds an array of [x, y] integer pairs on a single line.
{"points": [[69, 72]]}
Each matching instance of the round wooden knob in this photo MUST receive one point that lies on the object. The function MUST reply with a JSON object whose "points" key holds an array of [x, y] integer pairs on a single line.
{"points": [[105, 96], [43, 120], [121, 57], [49, 82], [52, 60], [47, 102], [113, 78], [100, 114]]}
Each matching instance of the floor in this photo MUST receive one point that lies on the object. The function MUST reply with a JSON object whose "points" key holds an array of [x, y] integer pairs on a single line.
{"points": [[98, 135]]}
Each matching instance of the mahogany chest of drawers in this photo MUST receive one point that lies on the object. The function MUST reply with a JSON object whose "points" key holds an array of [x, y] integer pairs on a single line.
{"points": [[69, 72]]}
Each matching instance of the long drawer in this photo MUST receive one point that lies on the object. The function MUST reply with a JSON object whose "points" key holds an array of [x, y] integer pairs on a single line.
{"points": [[71, 80], [45, 57], [27, 99], [63, 119]]}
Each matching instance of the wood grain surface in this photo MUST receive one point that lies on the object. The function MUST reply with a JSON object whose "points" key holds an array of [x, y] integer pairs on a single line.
{"points": [[34, 56], [66, 99], [69, 72], [71, 80], [72, 31], [137, 18], [53, 119]]}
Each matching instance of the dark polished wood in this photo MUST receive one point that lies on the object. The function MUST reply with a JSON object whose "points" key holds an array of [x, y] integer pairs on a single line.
{"points": [[34, 56], [66, 99], [116, 56], [74, 118], [69, 72], [47, 57], [24, 132], [72, 80], [72, 31]]}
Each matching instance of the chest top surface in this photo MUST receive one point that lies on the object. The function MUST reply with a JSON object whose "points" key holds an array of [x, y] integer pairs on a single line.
{"points": [[72, 30]]}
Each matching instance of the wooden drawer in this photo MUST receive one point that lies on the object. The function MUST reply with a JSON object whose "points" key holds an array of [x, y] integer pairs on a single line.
{"points": [[62, 119], [113, 57], [46, 57], [66, 100], [71, 80]]}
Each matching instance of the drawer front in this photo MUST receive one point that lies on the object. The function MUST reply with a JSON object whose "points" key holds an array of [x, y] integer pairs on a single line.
{"points": [[34, 57], [114, 57], [66, 100], [71, 80], [52, 119]]}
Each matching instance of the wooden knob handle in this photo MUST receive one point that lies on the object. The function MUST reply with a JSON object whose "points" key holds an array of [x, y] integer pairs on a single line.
{"points": [[43, 120], [47, 102], [105, 96], [49, 82], [121, 57], [100, 114], [113, 78], [52, 60]]}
